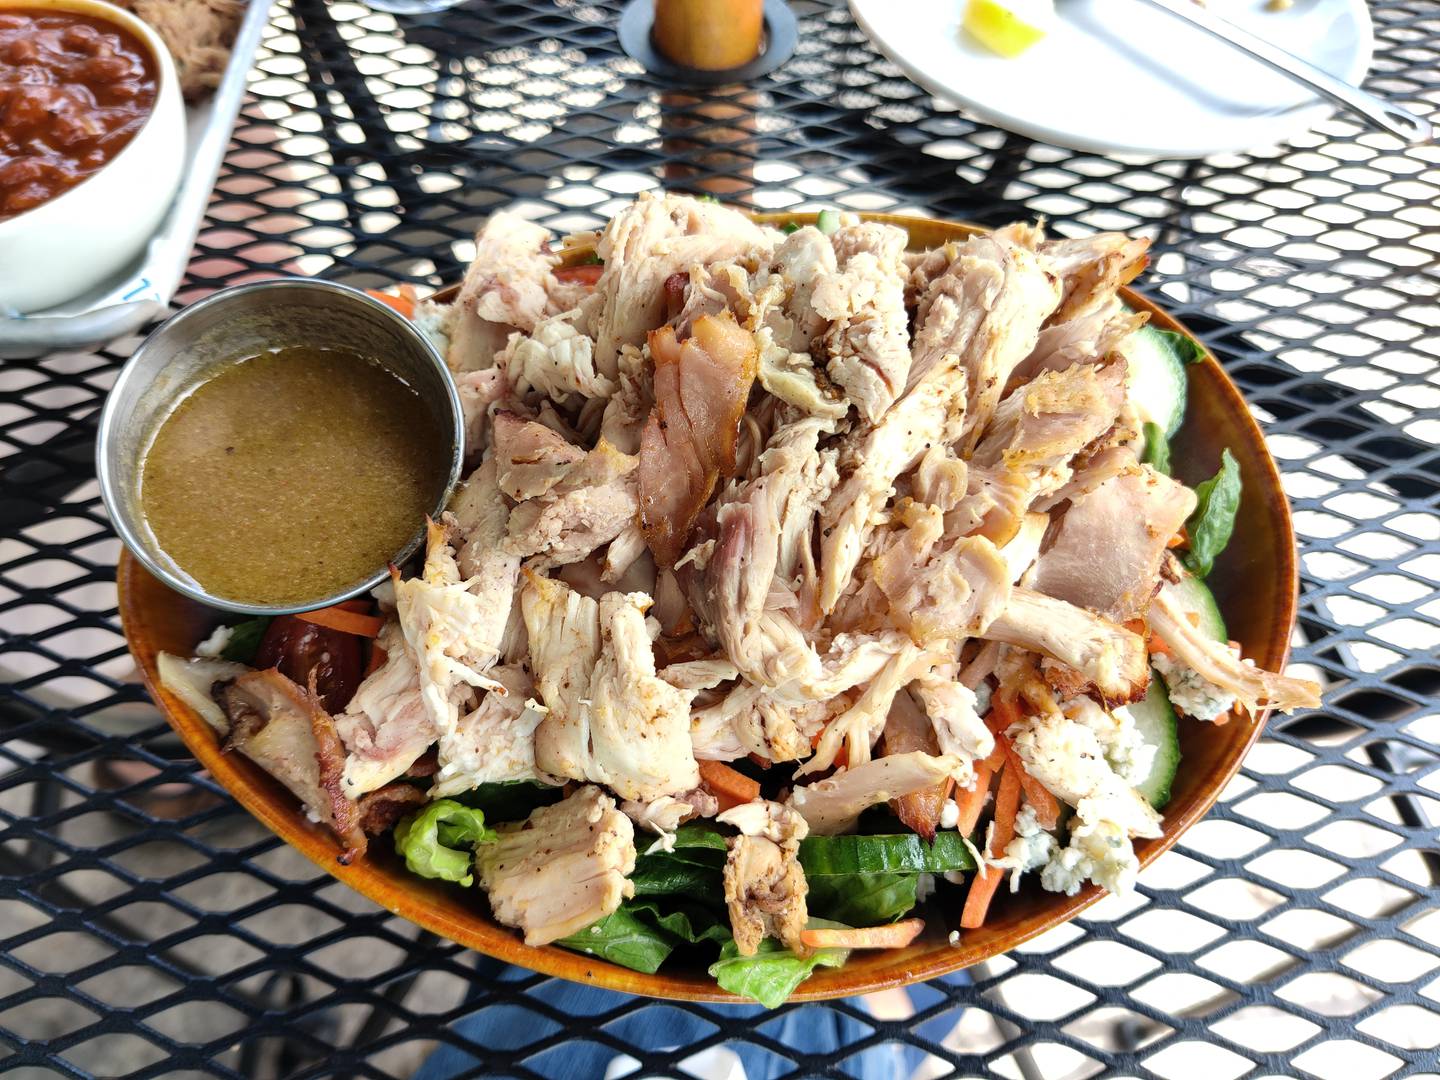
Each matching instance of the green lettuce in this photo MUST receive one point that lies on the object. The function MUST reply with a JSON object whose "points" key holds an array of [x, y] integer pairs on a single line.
{"points": [[863, 899], [773, 973], [639, 936], [439, 840], [692, 869], [623, 937], [245, 640], [510, 800], [1217, 501], [1157, 449]]}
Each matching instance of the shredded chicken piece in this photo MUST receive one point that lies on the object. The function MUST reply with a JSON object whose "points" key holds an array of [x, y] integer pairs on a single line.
{"points": [[563, 868], [1110, 657], [530, 458], [833, 805], [1091, 269], [495, 741], [1105, 552], [651, 239], [908, 729], [986, 310], [765, 888], [452, 626], [867, 342], [556, 359], [1217, 663], [784, 288], [563, 628], [1085, 339], [611, 719], [664, 815], [951, 708], [701, 390], [749, 720], [857, 728], [700, 674], [478, 391], [386, 726], [283, 728], [193, 682], [504, 290], [1025, 453], [930, 413], [590, 506], [625, 412], [639, 723], [941, 590]]}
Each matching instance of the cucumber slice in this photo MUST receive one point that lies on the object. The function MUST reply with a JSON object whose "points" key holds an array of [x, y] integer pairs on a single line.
{"points": [[1156, 722], [1198, 598], [829, 856], [1157, 377]]}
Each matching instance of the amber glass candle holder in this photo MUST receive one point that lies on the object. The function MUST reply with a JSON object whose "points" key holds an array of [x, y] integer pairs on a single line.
{"points": [[709, 35]]}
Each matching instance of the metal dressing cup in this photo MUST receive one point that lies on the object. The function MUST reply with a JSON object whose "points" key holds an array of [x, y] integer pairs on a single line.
{"points": [[231, 325]]}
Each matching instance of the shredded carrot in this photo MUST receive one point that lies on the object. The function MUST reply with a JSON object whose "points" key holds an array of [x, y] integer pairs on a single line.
{"points": [[1158, 647], [892, 936], [972, 801], [842, 756], [983, 886], [404, 303], [1045, 805], [1222, 719], [731, 788], [1004, 711], [343, 620], [585, 275], [1180, 539]]}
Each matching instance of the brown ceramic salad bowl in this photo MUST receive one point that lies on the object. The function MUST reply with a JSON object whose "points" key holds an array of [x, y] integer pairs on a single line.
{"points": [[1254, 582]]}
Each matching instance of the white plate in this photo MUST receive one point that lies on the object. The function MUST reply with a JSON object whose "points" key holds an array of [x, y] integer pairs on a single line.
{"points": [[1121, 76]]}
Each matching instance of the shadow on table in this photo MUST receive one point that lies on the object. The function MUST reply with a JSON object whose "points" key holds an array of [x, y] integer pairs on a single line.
{"points": [[508, 1030]]}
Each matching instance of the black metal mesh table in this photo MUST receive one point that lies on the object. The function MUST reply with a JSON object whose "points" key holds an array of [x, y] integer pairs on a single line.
{"points": [[148, 927]]}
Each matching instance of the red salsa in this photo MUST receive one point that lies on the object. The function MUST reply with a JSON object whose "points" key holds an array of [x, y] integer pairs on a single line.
{"points": [[73, 91]]}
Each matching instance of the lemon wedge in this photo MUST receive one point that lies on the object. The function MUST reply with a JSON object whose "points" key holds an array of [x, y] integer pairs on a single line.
{"points": [[1009, 28]]}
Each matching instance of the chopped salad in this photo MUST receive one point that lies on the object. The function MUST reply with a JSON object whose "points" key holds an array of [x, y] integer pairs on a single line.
{"points": [[805, 593]]}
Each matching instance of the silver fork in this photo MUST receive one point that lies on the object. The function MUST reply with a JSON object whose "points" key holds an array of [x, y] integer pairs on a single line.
{"points": [[1380, 113]]}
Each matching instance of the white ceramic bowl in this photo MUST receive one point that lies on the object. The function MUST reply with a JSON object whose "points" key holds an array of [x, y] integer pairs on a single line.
{"points": [[64, 247]]}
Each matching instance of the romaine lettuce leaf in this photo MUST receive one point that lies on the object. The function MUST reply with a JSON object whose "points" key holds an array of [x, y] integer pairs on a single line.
{"points": [[863, 899], [638, 936], [773, 973], [1217, 501], [439, 840], [245, 639]]}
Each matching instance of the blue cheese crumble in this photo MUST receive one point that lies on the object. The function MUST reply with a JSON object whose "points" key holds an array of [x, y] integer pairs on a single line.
{"points": [[1031, 849], [1190, 692], [1124, 747], [434, 320], [1098, 851]]}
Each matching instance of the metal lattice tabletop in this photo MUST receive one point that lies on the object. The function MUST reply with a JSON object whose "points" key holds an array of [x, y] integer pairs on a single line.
{"points": [[149, 927]]}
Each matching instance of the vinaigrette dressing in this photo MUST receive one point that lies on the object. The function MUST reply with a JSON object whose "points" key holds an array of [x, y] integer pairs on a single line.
{"points": [[291, 475]]}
